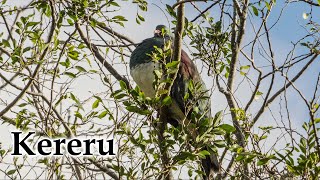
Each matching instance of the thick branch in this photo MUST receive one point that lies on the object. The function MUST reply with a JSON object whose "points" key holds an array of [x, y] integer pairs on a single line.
{"points": [[237, 35], [163, 116], [177, 42], [236, 39]]}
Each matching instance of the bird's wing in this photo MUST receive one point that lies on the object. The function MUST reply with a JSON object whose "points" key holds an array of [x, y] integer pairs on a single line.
{"points": [[186, 95]]}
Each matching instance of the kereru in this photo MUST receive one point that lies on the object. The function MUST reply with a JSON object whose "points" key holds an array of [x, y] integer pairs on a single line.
{"points": [[142, 70]]}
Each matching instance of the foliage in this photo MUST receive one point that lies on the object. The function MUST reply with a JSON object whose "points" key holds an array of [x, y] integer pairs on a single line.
{"points": [[63, 70]]}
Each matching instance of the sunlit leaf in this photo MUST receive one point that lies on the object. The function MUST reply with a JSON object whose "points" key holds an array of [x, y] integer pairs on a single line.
{"points": [[255, 10], [228, 128], [95, 104]]}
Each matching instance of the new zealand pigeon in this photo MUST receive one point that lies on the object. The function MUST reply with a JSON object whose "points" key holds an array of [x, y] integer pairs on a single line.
{"points": [[142, 70]]}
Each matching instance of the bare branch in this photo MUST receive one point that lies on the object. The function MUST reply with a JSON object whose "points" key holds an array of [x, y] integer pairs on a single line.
{"points": [[275, 95], [95, 50], [104, 169]]}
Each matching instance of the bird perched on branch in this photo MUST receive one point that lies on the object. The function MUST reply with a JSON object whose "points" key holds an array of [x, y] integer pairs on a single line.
{"points": [[142, 67]]}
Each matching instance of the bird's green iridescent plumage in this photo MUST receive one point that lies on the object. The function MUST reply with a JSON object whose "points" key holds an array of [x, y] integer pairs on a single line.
{"points": [[142, 53]]}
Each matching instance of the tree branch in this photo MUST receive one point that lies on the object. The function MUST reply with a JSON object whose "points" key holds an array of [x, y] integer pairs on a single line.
{"points": [[272, 98], [104, 169], [186, 1], [44, 53], [204, 11], [97, 54]]}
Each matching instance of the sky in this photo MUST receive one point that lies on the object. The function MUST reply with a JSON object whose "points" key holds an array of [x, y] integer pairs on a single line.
{"points": [[289, 29]]}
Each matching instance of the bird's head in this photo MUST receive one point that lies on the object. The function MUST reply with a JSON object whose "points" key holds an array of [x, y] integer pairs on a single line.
{"points": [[162, 31]]}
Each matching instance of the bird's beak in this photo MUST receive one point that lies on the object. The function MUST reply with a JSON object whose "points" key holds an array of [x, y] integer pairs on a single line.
{"points": [[157, 31]]}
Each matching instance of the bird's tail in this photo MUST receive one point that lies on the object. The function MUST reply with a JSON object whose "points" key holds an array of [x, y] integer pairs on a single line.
{"points": [[210, 166]]}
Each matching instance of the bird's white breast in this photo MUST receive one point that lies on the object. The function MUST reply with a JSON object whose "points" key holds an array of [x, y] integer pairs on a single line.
{"points": [[143, 75]]}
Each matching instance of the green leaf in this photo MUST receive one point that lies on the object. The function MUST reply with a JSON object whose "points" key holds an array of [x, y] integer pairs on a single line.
{"points": [[219, 143], [226, 75], [93, 23], [171, 10], [78, 115], [26, 49], [95, 104], [245, 67], [99, 98], [184, 156], [257, 95], [242, 73], [203, 154], [132, 108], [240, 157], [70, 21], [172, 64], [268, 5], [11, 172], [190, 172], [32, 23], [70, 74], [81, 46], [217, 118], [2, 152], [73, 55], [167, 101], [5, 43], [137, 21], [119, 18], [263, 137], [66, 64], [85, 3], [263, 161], [186, 96], [114, 3], [80, 69], [162, 91], [119, 96], [48, 11], [315, 106], [290, 168], [137, 110], [228, 128], [255, 10], [140, 17], [123, 85], [319, 2], [102, 114], [22, 104], [73, 97], [157, 73]]}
